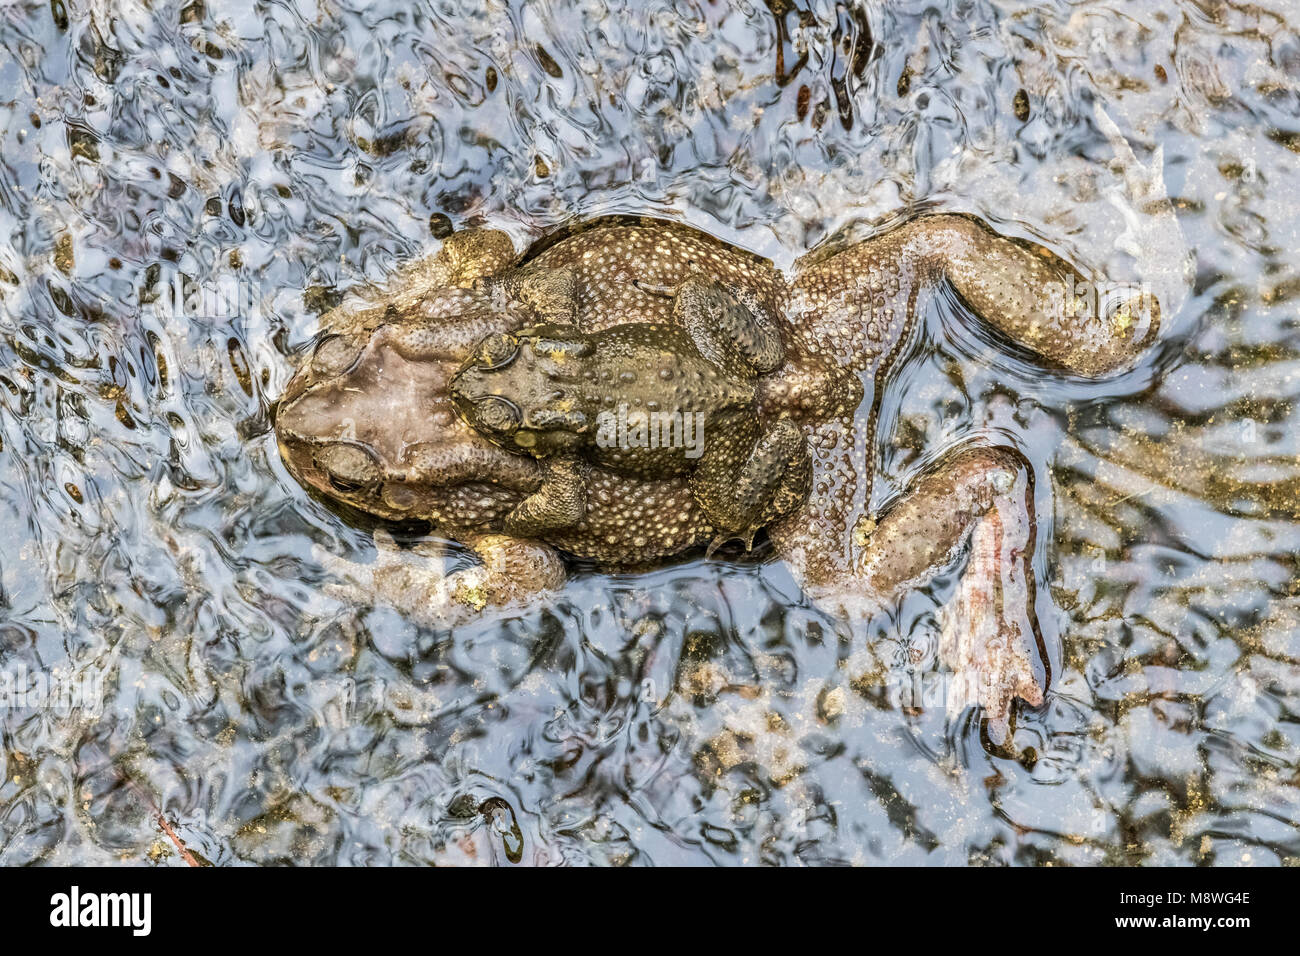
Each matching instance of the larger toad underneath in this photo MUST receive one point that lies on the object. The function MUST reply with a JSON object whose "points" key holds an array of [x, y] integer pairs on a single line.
{"points": [[371, 419]]}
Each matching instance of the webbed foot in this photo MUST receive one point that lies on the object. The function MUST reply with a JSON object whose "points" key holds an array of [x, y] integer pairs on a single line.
{"points": [[979, 498], [978, 501]]}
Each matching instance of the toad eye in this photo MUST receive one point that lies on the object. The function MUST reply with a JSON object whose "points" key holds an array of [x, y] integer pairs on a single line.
{"points": [[497, 349], [497, 414], [334, 355], [348, 468]]}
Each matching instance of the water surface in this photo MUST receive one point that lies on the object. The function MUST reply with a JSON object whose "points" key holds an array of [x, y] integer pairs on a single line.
{"points": [[151, 541]]}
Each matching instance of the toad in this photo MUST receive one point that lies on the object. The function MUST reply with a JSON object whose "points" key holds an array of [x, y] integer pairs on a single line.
{"points": [[468, 394]]}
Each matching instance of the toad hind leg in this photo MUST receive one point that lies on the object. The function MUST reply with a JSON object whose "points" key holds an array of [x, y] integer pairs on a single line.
{"points": [[744, 484], [1043, 303], [869, 292], [978, 500], [560, 502], [724, 329]]}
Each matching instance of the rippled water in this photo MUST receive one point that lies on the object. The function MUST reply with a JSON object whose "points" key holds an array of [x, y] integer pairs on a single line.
{"points": [[150, 539]]}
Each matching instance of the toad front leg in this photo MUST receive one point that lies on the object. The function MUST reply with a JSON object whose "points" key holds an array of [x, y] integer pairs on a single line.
{"points": [[511, 571], [551, 293], [746, 478], [559, 503], [469, 256], [435, 287]]}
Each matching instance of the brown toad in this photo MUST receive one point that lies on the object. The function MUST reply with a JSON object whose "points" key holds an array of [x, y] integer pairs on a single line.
{"points": [[370, 420], [645, 400]]}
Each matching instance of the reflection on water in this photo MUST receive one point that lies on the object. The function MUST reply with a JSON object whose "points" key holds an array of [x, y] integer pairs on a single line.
{"points": [[153, 543]]}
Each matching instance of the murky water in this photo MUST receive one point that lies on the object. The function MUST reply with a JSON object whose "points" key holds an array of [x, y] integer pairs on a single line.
{"points": [[155, 554]]}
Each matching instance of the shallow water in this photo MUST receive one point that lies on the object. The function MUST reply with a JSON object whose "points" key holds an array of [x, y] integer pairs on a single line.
{"points": [[153, 546]]}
